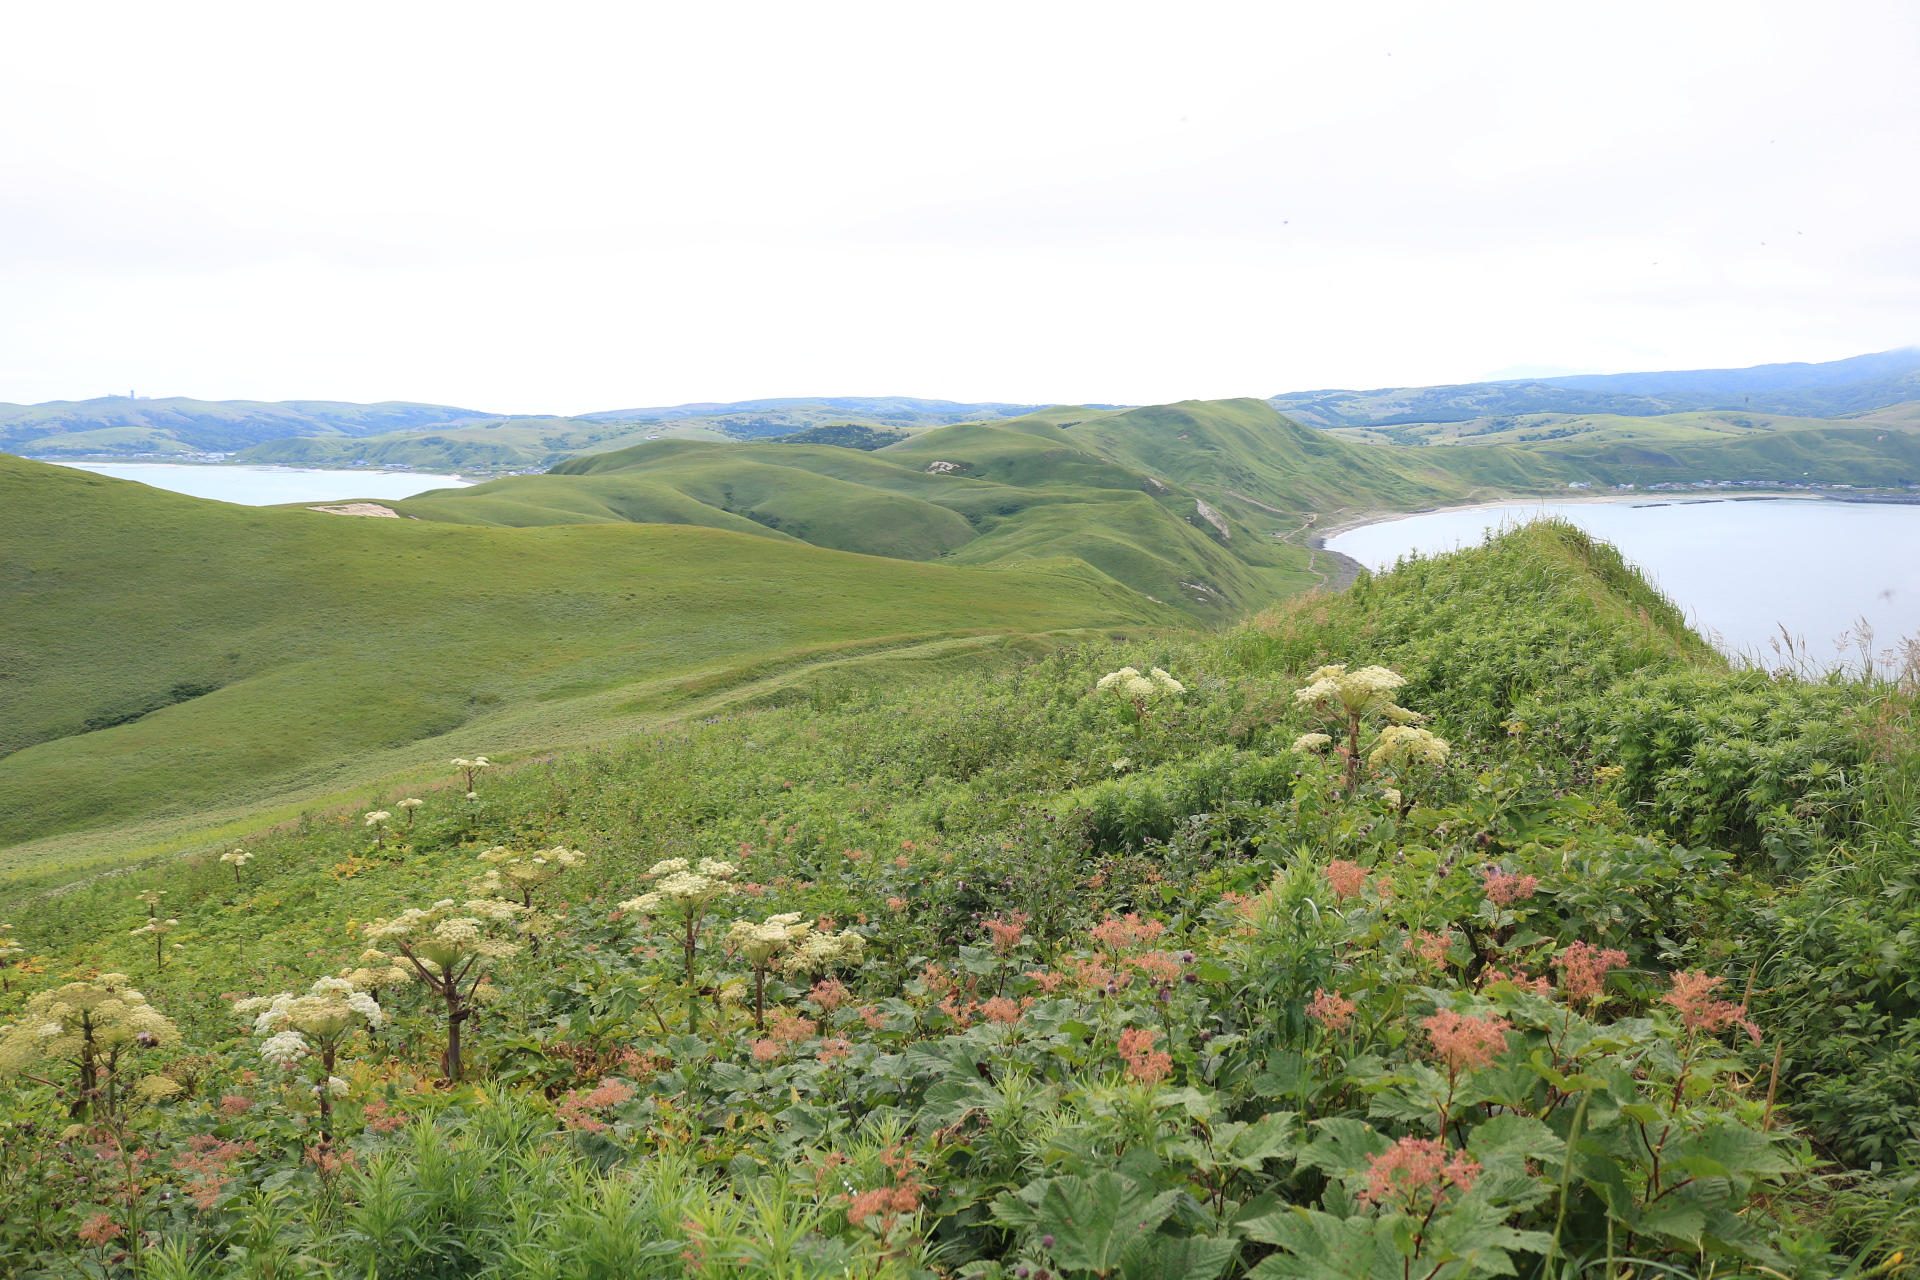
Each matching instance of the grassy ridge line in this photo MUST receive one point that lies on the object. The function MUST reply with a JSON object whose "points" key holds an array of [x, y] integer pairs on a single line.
{"points": [[324, 638], [976, 493]]}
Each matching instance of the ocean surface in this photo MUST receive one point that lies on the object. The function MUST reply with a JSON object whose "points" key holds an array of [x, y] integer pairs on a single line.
{"points": [[1745, 572], [265, 486]]}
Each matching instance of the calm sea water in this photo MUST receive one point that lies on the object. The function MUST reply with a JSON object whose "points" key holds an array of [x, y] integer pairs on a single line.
{"points": [[265, 486], [1741, 570]]}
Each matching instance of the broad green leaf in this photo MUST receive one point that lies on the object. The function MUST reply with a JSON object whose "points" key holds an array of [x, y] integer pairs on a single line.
{"points": [[1343, 1146], [1158, 1257], [1518, 1136], [1316, 1246], [1092, 1219]]}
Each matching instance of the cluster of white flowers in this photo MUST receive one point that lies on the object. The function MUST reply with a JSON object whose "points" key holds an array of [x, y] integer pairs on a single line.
{"points": [[237, 858], [107, 1013], [1311, 742], [156, 927], [335, 1087], [377, 969], [285, 1049], [440, 938], [1401, 744], [1128, 682], [760, 943], [822, 951], [522, 873], [1357, 693], [478, 762], [331, 1008], [411, 803], [377, 817], [683, 886]]}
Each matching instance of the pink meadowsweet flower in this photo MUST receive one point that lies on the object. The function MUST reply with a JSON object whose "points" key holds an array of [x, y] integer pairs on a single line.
{"points": [[1000, 1009], [1007, 933], [1433, 947], [1506, 889], [1583, 970], [766, 1050], [1143, 1064], [1417, 1171], [1347, 878], [832, 1051], [1331, 1010], [1123, 933], [829, 994], [1466, 1043], [1692, 995], [99, 1229]]}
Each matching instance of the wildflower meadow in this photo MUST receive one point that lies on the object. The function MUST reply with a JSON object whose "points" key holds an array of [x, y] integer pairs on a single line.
{"points": [[1477, 922]]}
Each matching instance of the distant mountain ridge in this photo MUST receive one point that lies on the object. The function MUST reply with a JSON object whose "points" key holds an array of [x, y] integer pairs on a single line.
{"points": [[179, 424], [1856, 384]]}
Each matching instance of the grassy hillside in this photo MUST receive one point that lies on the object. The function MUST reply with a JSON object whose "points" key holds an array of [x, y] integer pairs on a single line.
{"points": [[1077, 984], [166, 654], [976, 493]]}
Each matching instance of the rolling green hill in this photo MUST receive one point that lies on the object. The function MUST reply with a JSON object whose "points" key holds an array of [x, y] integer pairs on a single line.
{"points": [[167, 655], [972, 493]]}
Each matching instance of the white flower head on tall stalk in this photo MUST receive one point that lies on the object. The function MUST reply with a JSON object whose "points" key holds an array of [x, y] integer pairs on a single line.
{"points": [[1130, 683], [520, 874], [376, 970], [158, 930], [448, 946], [92, 1024], [685, 892], [377, 819], [469, 768], [1351, 698], [237, 858], [761, 943]]}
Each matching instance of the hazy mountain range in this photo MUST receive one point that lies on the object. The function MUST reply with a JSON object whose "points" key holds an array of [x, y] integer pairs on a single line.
{"points": [[319, 431]]}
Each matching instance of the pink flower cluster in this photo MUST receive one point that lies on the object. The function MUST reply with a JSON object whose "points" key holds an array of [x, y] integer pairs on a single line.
{"points": [[1347, 878], [1143, 1064], [1417, 1170], [1692, 995], [1331, 1010], [1583, 970], [1506, 889], [1466, 1043], [1124, 933]]}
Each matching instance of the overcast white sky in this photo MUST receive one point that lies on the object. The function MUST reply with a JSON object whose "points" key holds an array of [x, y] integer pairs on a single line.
{"points": [[563, 207]]}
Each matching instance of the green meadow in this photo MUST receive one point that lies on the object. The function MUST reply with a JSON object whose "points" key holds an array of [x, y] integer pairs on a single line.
{"points": [[171, 658]]}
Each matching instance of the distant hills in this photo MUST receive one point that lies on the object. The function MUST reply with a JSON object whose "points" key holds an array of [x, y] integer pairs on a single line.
{"points": [[326, 432], [1883, 386], [1835, 388], [176, 424], [751, 419]]}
